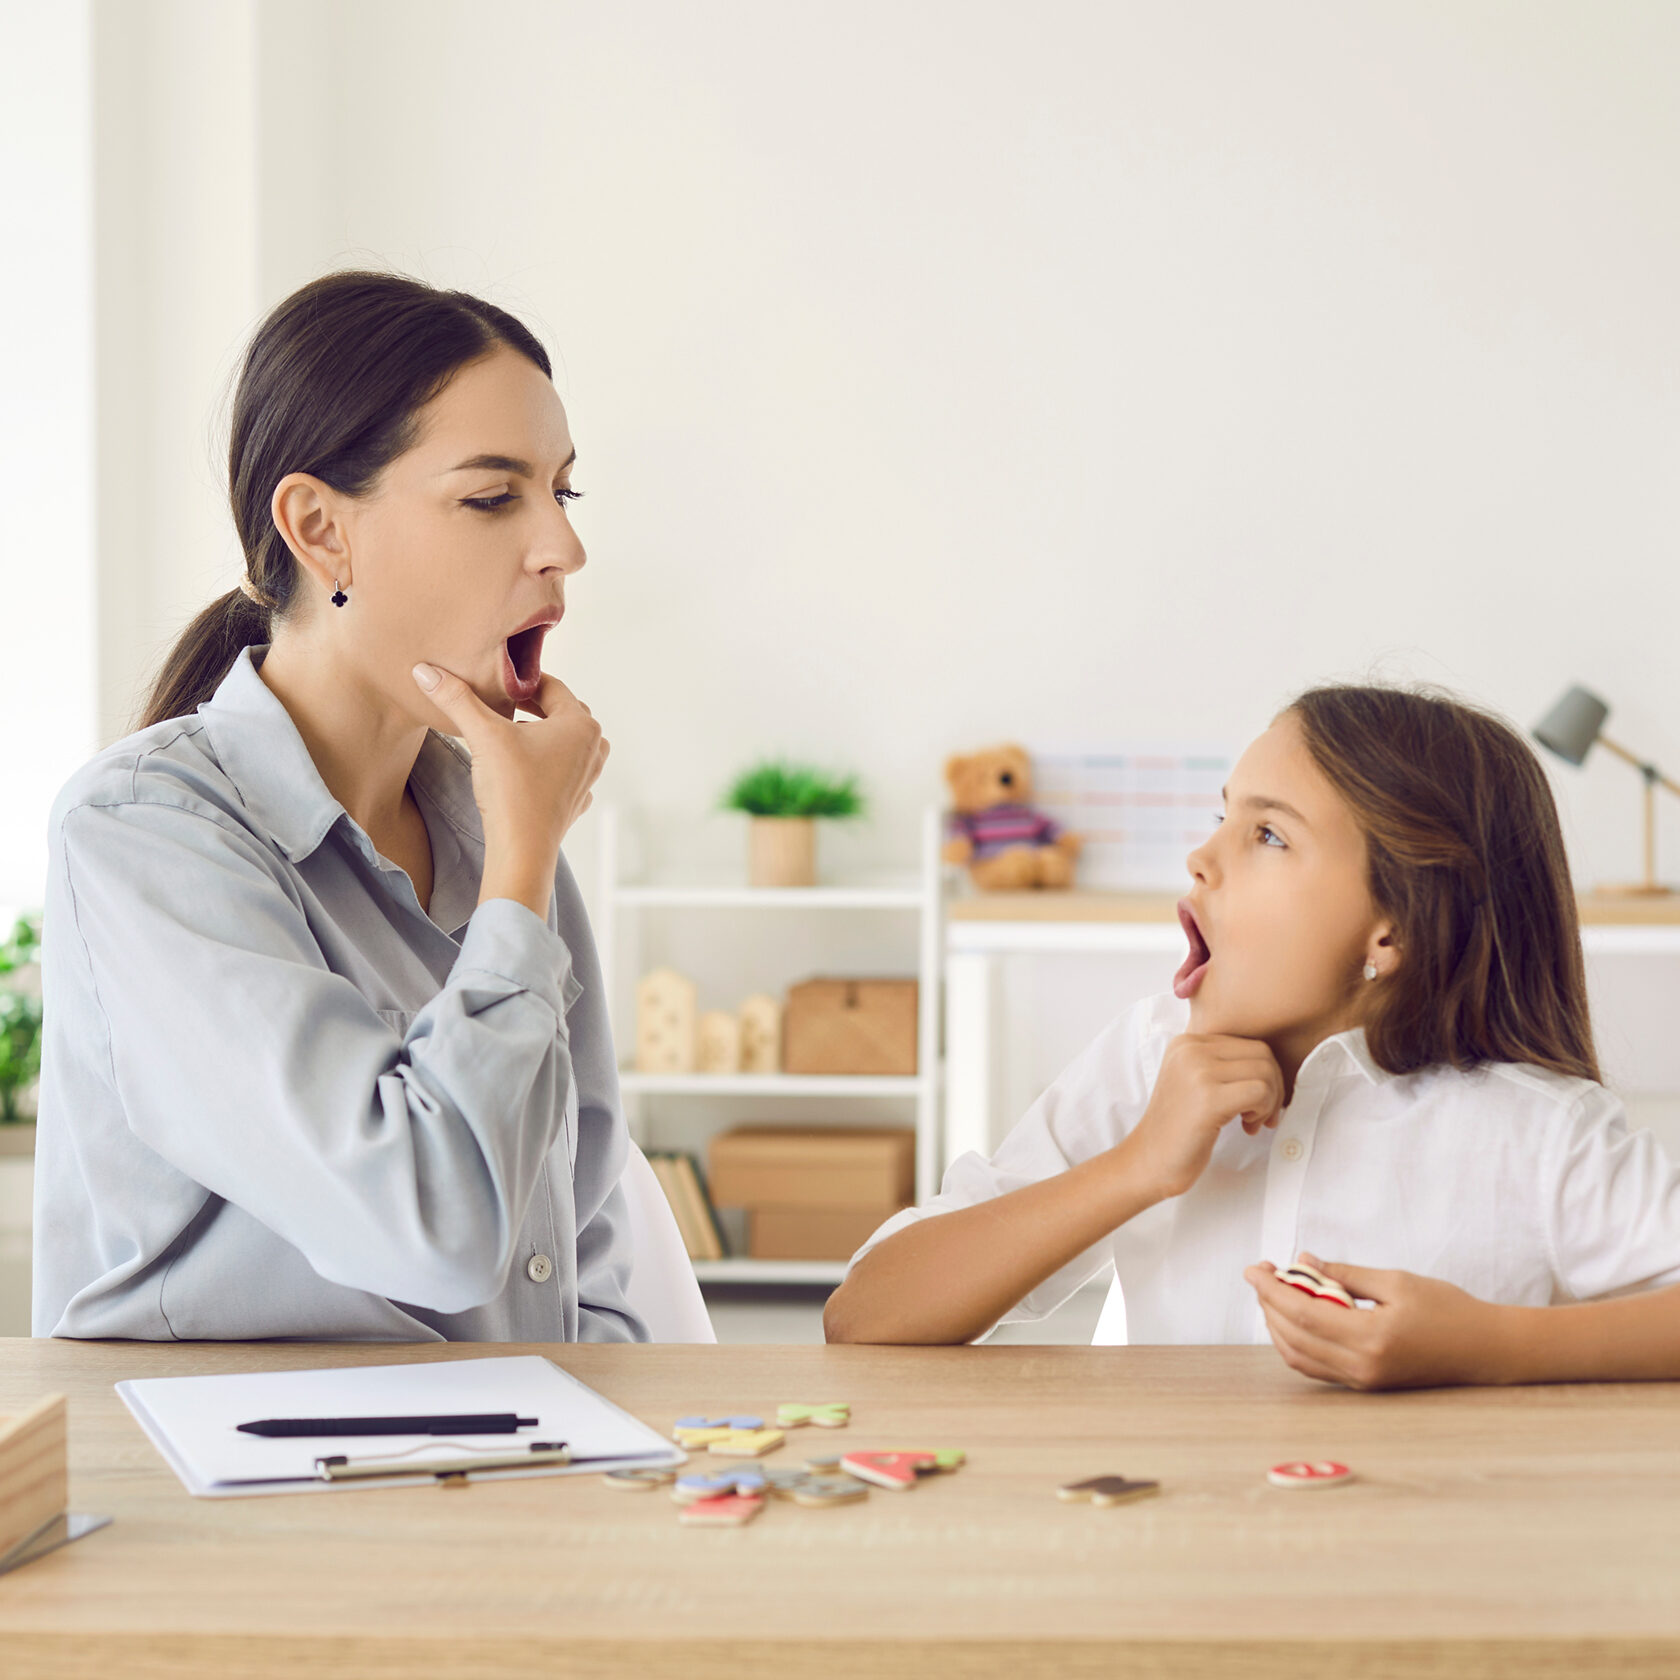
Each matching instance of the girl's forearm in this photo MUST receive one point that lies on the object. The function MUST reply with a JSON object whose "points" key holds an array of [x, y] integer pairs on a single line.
{"points": [[1630, 1339], [949, 1278]]}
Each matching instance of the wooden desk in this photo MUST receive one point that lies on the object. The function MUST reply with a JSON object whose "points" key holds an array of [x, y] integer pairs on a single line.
{"points": [[1519, 1532]]}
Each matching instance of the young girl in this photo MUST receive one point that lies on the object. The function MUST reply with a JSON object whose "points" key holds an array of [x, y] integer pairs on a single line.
{"points": [[1379, 1046]]}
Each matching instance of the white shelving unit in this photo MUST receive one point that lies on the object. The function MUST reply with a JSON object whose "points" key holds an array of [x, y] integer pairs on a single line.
{"points": [[619, 901]]}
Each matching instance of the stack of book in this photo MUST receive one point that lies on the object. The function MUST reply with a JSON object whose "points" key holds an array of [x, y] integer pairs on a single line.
{"points": [[679, 1177]]}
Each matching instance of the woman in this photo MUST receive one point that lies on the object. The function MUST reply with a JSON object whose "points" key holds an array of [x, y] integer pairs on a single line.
{"points": [[326, 1051]]}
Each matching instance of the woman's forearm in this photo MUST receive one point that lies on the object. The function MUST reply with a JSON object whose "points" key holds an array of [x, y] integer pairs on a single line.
{"points": [[949, 1278], [1630, 1339]]}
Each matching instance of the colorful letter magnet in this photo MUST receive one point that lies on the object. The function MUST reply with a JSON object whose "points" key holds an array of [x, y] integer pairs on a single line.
{"points": [[1323, 1473], [831, 1414], [1106, 1490], [1310, 1281]]}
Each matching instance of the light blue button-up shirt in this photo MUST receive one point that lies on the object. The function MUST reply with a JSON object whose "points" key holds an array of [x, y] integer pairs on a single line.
{"points": [[278, 1098]]}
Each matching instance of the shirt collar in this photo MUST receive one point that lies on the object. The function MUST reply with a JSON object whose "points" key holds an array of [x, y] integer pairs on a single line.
{"points": [[1343, 1052], [264, 756]]}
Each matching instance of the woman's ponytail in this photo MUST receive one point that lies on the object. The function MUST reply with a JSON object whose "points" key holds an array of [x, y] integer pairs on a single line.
{"points": [[204, 654], [332, 385]]}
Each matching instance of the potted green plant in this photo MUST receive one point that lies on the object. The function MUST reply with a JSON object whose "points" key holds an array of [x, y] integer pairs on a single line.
{"points": [[784, 802], [20, 1019]]}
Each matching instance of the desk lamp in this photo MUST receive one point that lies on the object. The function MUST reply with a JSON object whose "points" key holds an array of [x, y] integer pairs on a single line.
{"points": [[1570, 729]]}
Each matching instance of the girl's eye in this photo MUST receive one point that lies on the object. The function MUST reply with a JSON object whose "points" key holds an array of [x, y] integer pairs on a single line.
{"points": [[1269, 836], [489, 504]]}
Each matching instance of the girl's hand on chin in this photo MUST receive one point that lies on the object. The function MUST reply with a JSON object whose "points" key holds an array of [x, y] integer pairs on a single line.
{"points": [[1421, 1333], [1207, 1080]]}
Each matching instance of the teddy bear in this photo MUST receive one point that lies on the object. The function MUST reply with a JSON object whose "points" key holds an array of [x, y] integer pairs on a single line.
{"points": [[1006, 844]]}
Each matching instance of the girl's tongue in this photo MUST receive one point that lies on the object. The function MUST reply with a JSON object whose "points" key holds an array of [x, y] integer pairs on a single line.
{"points": [[1195, 965]]}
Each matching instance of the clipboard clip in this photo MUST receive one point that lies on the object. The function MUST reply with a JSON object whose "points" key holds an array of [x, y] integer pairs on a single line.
{"points": [[446, 1471]]}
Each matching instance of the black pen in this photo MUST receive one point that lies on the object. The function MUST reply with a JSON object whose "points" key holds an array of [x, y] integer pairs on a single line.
{"points": [[466, 1423]]}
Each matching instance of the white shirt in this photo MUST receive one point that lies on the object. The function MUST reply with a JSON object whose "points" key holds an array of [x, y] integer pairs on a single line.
{"points": [[1519, 1185]]}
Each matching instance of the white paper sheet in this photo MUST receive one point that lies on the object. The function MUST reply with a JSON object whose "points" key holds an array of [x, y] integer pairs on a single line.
{"points": [[193, 1421]]}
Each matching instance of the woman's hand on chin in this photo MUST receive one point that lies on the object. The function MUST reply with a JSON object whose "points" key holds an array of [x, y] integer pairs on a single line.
{"points": [[1419, 1333], [531, 781]]}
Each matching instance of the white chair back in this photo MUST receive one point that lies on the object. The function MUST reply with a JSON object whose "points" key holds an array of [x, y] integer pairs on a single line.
{"points": [[663, 1289]]}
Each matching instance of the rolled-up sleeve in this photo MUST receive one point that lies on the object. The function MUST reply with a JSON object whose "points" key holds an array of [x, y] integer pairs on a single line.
{"points": [[1612, 1202], [399, 1165]]}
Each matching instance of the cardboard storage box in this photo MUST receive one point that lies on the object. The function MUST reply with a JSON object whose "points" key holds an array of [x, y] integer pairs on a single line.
{"points": [[807, 1233], [861, 1169], [850, 1027]]}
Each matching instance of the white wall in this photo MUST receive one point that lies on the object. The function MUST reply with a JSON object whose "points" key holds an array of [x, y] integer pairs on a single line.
{"points": [[945, 372], [47, 653], [952, 371]]}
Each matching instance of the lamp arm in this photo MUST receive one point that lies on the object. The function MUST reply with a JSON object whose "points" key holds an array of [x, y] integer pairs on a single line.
{"points": [[1649, 771]]}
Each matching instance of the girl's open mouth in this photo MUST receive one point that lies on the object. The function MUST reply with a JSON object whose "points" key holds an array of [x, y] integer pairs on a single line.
{"points": [[522, 662], [1195, 965]]}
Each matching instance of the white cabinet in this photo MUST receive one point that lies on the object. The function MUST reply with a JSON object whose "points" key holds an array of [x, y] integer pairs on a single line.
{"points": [[625, 912]]}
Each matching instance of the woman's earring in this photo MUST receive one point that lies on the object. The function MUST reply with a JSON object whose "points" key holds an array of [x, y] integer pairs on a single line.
{"points": [[338, 595], [1370, 971]]}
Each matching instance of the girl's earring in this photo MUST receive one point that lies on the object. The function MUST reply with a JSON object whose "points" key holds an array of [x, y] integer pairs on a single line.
{"points": [[338, 596], [1370, 971]]}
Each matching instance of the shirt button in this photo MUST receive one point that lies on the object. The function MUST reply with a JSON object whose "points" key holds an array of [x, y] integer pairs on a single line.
{"points": [[1292, 1149], [539, 1268]]}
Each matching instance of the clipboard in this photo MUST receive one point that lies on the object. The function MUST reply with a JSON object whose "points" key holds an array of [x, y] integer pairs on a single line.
{"points": [[193, 1422]]}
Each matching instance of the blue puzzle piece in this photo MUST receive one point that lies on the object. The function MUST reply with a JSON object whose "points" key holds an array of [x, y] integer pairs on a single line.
{"points": [[719, 1423], [749, 1479]]}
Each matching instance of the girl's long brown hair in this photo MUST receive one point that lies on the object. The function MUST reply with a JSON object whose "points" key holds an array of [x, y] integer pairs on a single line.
{"points": [[1466, 857], [332, 385]]}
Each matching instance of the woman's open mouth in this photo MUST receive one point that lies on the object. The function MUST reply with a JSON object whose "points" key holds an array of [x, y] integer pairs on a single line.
{"points": [[1195, 965], [522, 658]]}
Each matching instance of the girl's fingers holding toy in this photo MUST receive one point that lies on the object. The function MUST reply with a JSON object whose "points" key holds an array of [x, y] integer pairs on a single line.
{"points": [[1304, 1353]]}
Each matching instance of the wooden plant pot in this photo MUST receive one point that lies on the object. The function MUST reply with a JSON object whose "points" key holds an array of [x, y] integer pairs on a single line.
{"points": [[782, 851]]}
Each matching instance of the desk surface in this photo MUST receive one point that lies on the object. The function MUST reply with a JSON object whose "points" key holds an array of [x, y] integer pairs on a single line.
{"points": [[1493, 1532]]}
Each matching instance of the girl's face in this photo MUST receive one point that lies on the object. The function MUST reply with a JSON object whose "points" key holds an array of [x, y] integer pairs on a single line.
{"points": [[1280, 921], [466, 540]]}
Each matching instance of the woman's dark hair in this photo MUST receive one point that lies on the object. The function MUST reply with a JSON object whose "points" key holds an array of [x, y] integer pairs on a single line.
{"points": [[1466, 856], [331, 385]]}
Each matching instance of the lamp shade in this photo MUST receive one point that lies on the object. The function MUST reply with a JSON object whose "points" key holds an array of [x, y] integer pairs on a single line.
{"points": [[1572, 725]]}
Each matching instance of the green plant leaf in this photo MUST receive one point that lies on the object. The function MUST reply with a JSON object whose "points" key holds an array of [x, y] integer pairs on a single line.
{"points": [[775, 788]]}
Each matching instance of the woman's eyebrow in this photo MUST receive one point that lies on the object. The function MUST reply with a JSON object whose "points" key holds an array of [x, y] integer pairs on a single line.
{"points": [[506, 463]]}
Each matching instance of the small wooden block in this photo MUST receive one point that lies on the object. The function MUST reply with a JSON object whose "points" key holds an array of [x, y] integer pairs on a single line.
{"points": [[823, 1491], [830, 1414], [761, 1034], [638, 1481], [1302, 1473], [748, 1480], [719, 1038], [1310, 1281], [731, 1511], [1106, 1490], [34, 1469], [746, 1443], [665, 1022]]}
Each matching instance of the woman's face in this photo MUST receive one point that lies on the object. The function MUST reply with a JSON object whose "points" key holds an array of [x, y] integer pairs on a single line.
{"points": [[1281, 906], [466, 540]]}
